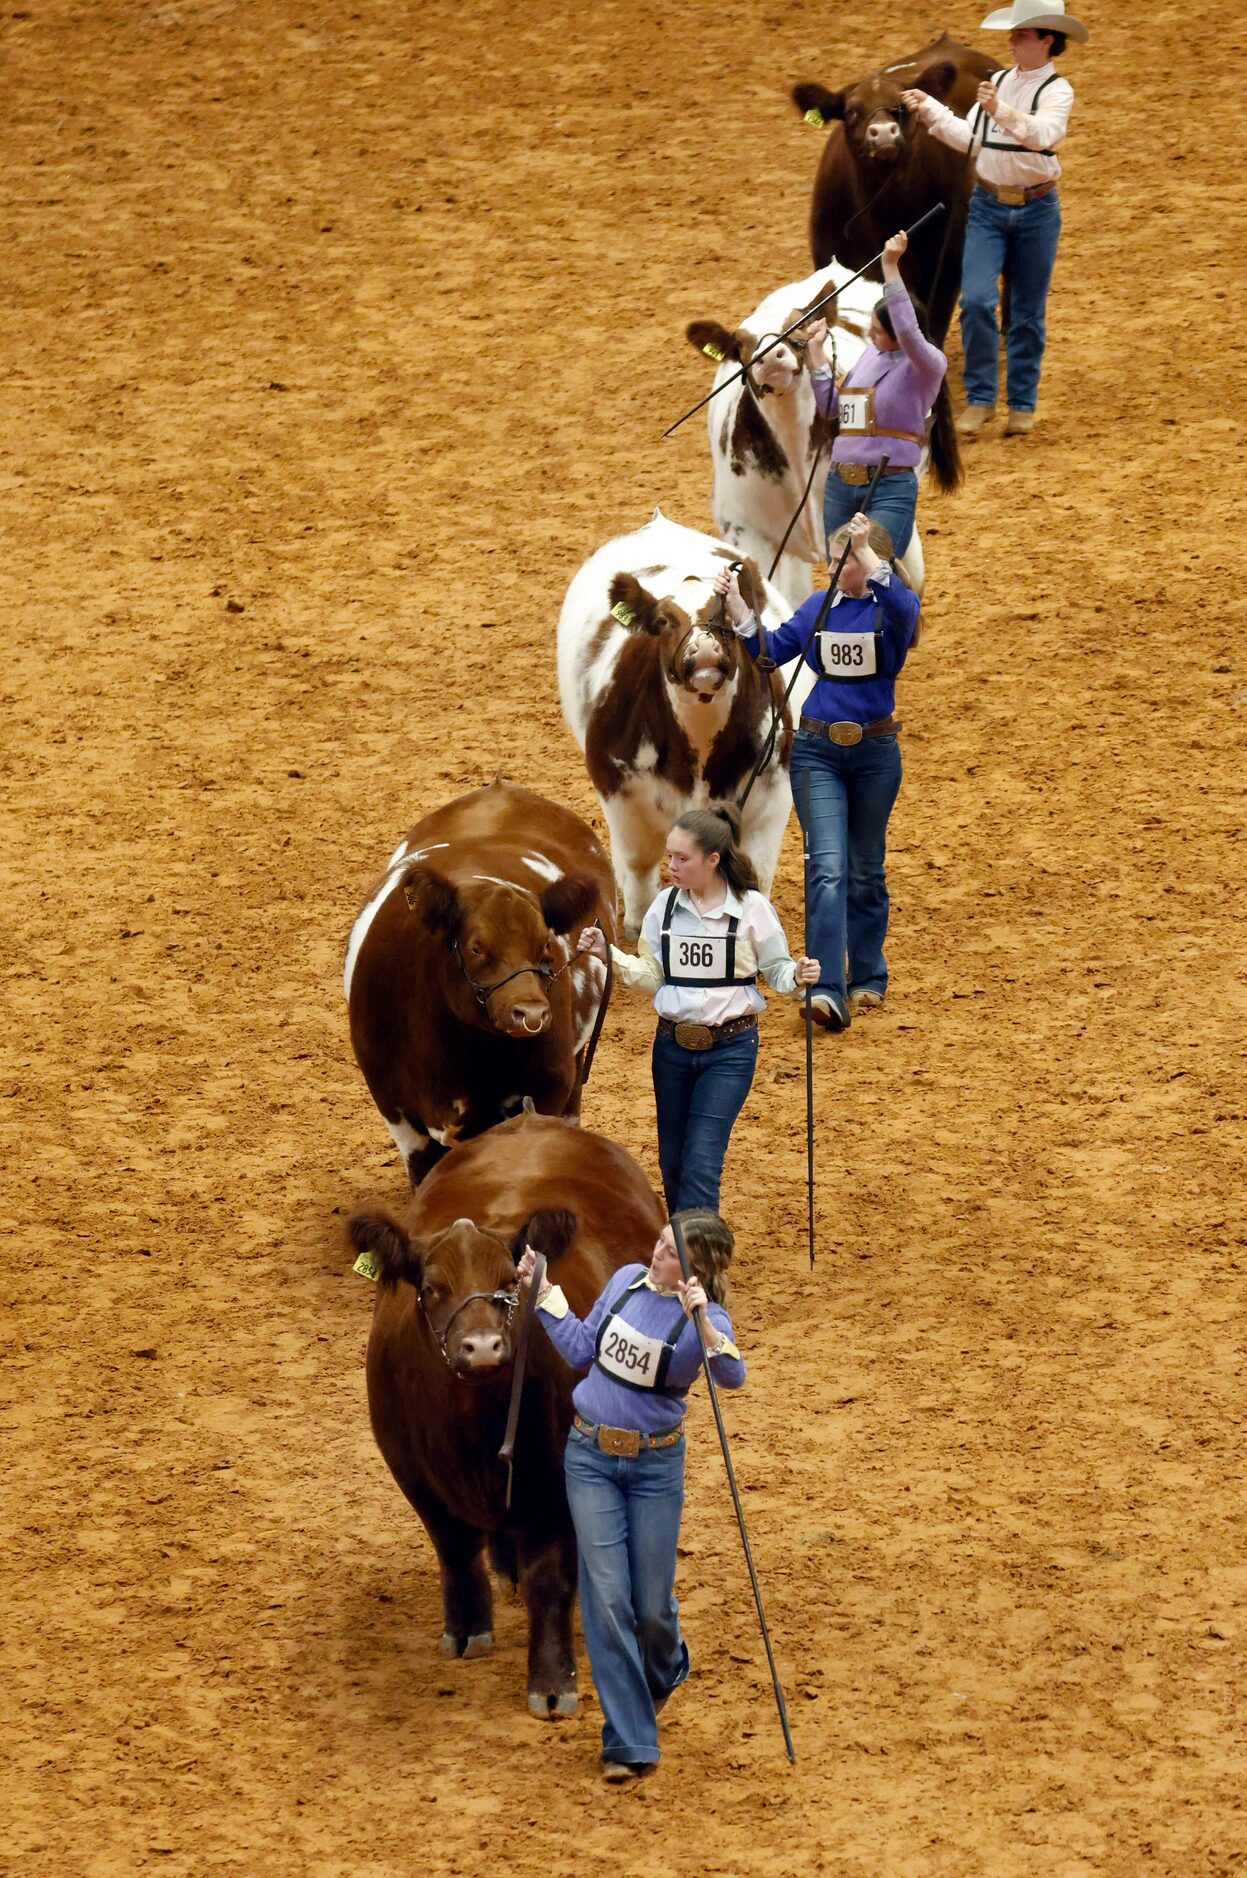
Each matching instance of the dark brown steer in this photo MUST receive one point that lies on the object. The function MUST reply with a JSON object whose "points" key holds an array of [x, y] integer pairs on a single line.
{"points": [[880, 171], [464, 989], [439, 1366]]}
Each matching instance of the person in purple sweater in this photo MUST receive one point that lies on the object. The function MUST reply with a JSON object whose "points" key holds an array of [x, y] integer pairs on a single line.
{"points": [[882, 405], [624, 1466]]}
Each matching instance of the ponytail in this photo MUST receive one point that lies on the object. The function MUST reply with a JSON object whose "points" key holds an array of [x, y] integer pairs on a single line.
{"points": [[946, 465], [717, 831]]}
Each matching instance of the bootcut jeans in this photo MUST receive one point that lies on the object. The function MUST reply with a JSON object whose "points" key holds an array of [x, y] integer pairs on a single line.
{"points": [[626, 1511], [697, 1095], [850, 790], [1026, 239]]}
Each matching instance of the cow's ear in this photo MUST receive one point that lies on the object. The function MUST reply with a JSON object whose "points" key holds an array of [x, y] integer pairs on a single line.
{"points": [[433, 899], [633, 607], [551, 1231], [567, 903], [937, 80], [714, 340], [752, 592], [395, 1254], [816, 101]]}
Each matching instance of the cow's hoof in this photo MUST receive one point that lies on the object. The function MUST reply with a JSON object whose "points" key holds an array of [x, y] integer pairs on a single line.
{"points": [[479, 1645], [553, 1707]]}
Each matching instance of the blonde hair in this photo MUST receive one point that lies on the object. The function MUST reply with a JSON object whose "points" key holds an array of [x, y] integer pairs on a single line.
{"points": [[879, 539]]}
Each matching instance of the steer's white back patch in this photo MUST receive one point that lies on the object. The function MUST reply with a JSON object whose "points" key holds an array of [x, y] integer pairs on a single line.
{"points": [[359, 931], [539, 865]]}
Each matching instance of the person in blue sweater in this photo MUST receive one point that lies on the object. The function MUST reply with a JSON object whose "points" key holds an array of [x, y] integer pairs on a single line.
{"points": [[624, 1466], [846, 761]]}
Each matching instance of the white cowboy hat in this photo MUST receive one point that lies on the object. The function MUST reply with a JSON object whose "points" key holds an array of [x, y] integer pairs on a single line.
{"points": [[1046, 16]]}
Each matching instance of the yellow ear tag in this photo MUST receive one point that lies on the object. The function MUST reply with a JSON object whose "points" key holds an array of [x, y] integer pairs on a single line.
{"points": [[714, 352], [813, 116], [411, 893], [622, 613], [368, 1265]]}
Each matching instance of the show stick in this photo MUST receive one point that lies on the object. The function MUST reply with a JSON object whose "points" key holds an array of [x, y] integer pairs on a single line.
{"points": [[677, 1232], [810, 312], [527, 1307], [809, 1022]]}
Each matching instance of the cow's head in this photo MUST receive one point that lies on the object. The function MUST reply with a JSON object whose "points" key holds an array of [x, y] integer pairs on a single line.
{"points": [[775, 372], [878, 127], [699, 651], [464, 1276], [498, 936]]}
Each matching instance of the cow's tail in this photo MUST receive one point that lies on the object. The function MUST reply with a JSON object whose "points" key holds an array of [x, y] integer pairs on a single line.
{"points": [[946, 464]]}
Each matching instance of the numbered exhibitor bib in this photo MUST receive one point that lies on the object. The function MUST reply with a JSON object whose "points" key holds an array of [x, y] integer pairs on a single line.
{"points": [[857, 412], [700, 958], [629, 1356], [849, 655]]}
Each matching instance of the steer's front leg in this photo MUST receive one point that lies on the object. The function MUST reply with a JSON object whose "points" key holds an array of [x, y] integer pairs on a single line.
{"points": [[548, 1586]]}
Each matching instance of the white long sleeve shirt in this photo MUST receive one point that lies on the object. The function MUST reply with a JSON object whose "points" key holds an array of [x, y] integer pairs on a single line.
{"points": [[1010, 151], [760, 946]]}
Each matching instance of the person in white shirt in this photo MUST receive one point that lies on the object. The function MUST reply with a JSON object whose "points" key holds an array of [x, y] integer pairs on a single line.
{"points": [[703, 942], [1014, 220]]}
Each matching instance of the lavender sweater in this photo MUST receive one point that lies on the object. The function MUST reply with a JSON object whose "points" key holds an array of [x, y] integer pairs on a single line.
{"points": [[599, 1398], [906, 386]]}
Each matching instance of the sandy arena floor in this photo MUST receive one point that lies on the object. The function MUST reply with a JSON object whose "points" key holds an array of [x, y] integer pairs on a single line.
{"points": [[333, 342]]}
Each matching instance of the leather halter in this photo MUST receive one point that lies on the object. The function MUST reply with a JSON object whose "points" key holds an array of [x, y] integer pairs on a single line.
{"points": [[483, 993], [502, 1300]]}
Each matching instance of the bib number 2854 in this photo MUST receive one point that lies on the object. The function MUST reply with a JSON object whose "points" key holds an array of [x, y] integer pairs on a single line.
{"points": [[625, 1354]]}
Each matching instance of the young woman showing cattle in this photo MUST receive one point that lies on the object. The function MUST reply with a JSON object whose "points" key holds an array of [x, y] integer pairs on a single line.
{"points": [[846, 760], [624, 1467], [703, 942], [882, 405], [1014, 223]]}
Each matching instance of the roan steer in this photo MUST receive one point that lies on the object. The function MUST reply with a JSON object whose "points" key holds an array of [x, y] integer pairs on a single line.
{"points": [[463, 984]]}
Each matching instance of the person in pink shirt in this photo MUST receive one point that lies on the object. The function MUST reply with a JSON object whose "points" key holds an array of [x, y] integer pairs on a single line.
{"points": [[881, 408]]}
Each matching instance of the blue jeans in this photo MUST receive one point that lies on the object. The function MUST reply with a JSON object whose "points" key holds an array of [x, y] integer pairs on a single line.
{"points": [[893, 504], [851, 791], [1026, 238], [698, 1095], [627, 1518]]}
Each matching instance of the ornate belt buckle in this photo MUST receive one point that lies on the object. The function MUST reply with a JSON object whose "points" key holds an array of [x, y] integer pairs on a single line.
{"points": [[845, 733], [694, 1036], [853, 473], [1012, 195], [622, 1441]]}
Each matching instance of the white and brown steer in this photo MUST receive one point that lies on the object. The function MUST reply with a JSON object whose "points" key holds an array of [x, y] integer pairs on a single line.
{"points": [[668, 707], [464, 988], [766, 431]]}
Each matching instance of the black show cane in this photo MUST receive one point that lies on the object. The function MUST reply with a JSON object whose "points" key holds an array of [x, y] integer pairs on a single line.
{"points": [[937, 208], [809, 1022], [677, 1232]]}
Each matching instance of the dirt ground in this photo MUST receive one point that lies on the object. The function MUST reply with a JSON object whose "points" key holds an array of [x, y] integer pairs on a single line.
{"points": [[332, 343]]}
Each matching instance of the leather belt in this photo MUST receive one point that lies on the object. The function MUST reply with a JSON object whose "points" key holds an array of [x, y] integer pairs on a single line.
{"points": [[860, 473], [849, 733], [625, 1441], [1013, 195], [701, 1036]]}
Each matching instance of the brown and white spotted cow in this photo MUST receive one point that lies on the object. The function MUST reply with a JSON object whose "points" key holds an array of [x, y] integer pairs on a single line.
{"points": [[880, 170], [440, 1366], [768, 442], [464, 988], [669, 709]]}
